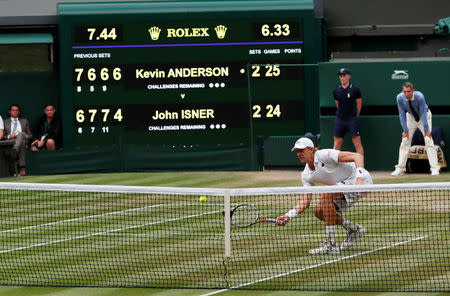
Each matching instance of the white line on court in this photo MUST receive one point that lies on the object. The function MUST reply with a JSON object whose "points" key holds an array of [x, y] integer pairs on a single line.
{"points": [[362, 203], [237, 235], [104, 232], [316, 265], [148, 207], [396, 204], [96, 216], [80, 218]]}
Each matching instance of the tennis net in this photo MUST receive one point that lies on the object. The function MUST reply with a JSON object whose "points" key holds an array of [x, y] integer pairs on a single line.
{"points": [[124, 236]]}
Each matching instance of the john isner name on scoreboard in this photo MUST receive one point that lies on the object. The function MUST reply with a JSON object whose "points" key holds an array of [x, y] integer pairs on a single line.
{"points": [[183, 114], [183, 72]]}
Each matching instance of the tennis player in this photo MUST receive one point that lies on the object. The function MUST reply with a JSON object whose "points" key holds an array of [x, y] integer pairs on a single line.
{"points": [[330, 167]]}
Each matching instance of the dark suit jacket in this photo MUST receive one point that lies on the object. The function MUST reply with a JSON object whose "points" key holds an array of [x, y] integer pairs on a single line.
{"points": [[23, 123], [53, 131]]}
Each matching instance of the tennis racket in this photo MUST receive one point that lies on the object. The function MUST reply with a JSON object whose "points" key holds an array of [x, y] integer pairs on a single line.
{"points": [[246, 215]]}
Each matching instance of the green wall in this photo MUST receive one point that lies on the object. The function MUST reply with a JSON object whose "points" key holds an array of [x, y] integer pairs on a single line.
{"points": [[30, 90], [380, 144], [374, 77]]}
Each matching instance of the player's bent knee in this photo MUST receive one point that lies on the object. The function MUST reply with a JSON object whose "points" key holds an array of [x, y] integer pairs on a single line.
{"points": [[318, 213]]}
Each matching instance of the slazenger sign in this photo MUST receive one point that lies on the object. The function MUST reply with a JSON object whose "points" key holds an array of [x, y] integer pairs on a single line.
{"points": [[400, 74]]}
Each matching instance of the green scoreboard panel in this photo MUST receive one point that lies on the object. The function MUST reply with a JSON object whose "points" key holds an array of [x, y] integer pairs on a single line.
{"points": [[182, 75]]}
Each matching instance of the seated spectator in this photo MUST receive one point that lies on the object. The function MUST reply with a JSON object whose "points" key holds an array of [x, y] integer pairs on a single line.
{"points": [[18, 129], [48, 134], [2, 128]]}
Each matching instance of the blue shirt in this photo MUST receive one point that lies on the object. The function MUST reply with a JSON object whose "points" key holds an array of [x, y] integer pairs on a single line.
{"points": [[346, 98], [419, 105]]}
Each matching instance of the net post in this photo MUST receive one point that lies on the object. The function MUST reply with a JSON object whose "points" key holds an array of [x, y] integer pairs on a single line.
{"points": [[227, 209], [227, 220]]}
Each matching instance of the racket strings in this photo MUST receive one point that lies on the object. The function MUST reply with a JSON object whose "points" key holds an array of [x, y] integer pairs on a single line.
{"points": [[244, 216]]}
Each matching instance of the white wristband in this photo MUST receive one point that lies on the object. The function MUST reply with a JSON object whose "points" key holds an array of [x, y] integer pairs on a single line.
{"points": [[292, 213], [359, 172]]}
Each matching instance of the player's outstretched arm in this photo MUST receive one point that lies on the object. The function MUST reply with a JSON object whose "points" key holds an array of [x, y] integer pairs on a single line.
{"points": [[302, 205]]}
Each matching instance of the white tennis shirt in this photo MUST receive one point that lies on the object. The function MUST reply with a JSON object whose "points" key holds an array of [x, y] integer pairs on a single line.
{"points": [[328, 170]]}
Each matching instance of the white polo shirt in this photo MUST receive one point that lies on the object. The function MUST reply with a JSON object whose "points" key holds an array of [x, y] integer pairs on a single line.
{"points": [[1, 123], [328, 170]]}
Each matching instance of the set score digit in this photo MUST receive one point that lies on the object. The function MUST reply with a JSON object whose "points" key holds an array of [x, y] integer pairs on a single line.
{"points": [[103, 129], [92, 88], [92, 74], [98, 115]]}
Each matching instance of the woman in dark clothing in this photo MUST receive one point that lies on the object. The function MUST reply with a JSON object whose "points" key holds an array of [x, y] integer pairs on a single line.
{"points": [[49, 131]]}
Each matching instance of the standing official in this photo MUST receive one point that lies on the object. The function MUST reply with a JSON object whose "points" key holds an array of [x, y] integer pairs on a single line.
{"points": [[18, 129], [348, 101], [414, 113]]}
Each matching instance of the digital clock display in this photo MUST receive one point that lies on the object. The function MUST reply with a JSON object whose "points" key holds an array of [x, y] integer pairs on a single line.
{"points": [[271, 30], [98, 33], [207, 81]]}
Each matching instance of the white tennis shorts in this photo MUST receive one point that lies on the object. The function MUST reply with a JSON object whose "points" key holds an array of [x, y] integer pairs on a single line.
{"points": [[350, 198]]}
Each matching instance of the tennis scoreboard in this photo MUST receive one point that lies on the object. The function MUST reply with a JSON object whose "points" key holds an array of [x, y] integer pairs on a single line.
{"points": [[158, 75]]}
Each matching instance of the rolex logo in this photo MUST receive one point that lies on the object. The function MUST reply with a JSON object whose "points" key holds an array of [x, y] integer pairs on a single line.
{"points": [[154, 33], [221, 31]]}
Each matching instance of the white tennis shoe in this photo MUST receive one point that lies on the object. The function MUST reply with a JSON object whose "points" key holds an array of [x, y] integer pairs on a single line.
{"points": [[398, 172], [352, 236], [435, 172], [325, 248]]}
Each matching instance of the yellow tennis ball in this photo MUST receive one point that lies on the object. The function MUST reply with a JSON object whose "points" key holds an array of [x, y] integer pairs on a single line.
{"points": [[202, 199]]}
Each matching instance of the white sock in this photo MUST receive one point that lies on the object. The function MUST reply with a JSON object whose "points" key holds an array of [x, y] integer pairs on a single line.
{"points": [[330, 234]]}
